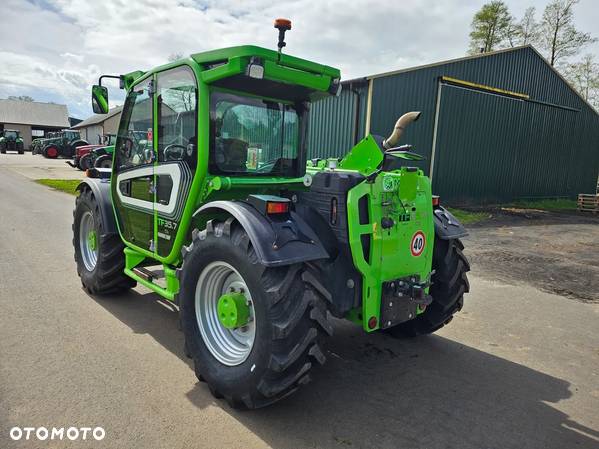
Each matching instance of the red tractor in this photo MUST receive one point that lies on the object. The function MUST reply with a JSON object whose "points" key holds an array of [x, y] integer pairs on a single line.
{"points": [[82, 158]]}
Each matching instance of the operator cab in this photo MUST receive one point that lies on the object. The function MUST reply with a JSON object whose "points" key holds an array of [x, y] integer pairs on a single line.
{"points": [[250, 135], [11, 134]]}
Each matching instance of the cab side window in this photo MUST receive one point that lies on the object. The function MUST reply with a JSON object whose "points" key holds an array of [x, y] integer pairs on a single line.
{"points": [[177, 101], [134, 146]]}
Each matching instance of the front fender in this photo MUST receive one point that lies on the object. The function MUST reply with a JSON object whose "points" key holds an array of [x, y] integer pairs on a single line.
{"points": [[101, 190], [262, 232], [446, 225]]}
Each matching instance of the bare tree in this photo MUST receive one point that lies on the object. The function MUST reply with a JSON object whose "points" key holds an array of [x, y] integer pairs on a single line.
{"points": [[584, 77], [527, 28], [558, 36], [490, 27], [181, 98]]}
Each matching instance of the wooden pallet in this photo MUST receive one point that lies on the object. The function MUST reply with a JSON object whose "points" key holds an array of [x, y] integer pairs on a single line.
{"points": [[588, 203]]}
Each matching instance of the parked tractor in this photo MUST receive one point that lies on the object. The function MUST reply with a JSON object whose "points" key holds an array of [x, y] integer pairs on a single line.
{"points": [[37, 145], [102, 157], [63, 144], [11, 141], [84, 159], [211, 203]]}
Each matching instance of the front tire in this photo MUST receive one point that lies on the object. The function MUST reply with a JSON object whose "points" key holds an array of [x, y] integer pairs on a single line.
{"points": [[98, 254], [103, 161], [289, 320], [85, 162], [449, 284]]}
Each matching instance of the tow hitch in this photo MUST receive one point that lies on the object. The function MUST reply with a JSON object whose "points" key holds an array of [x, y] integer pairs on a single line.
{"points": [[401, 299]]}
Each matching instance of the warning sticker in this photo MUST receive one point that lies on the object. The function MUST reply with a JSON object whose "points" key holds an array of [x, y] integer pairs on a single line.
{"points": [[417, 245]]}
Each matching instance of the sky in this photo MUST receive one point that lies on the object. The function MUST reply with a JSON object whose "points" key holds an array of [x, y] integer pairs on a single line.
{"points": [[54, 50]]}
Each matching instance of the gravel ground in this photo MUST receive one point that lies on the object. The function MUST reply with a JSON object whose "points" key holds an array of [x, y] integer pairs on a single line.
{"points": [[555, 252]]}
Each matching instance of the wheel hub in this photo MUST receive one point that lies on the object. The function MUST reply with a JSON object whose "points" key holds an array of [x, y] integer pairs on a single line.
{"points": [[91, 240], [233, 310], [225, 313], [88, 241]]}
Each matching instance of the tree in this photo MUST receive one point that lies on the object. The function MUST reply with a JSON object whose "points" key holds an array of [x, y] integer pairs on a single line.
{"points": [[558, 36], [21, 98], [490, 27], [527, 28], [584, 77]]}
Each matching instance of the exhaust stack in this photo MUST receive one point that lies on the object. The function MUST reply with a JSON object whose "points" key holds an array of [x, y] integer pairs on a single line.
{"points": [[400, 125]]}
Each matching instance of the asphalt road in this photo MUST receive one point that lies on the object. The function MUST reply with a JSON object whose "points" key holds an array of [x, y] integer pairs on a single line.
{"points": [[518, 368]]}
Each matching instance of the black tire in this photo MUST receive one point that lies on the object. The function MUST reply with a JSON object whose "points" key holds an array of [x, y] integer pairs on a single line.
{"points": [[107, 275], [85, 162], [70, 149], [51, 152], [103, 161], [291, 320], [449, 283]]}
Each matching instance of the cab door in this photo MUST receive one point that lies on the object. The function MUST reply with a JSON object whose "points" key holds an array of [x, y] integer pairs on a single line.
{"points": [[176, 147], [133, 173]]}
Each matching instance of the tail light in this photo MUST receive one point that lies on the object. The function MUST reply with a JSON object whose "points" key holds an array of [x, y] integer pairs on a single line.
{"points": [[270, 204], [273, 207], [436, 200]]}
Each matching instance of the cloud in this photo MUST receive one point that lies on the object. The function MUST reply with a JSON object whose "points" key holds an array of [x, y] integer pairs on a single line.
{"points": [[69, 43]]}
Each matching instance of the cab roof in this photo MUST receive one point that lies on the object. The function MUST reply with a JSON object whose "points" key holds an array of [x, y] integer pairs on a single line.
{"points": [[282, 73]]}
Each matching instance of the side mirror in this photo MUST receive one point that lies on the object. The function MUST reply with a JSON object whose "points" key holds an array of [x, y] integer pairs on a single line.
{"points": [[99, 99]]}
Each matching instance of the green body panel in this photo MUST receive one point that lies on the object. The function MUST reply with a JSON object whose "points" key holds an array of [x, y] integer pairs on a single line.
{"points": [[403, 195], [409, 204], [365, 157]]}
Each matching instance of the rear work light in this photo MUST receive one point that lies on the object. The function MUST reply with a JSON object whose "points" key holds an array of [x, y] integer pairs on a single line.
{"points": [[436, 200]]}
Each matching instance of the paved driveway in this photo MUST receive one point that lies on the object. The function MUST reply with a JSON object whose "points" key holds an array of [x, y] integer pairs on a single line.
{"points": [[518, 368]]}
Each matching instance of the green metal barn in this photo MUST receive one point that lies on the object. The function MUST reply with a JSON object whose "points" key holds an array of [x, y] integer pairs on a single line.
{"points": [[494, 127]]}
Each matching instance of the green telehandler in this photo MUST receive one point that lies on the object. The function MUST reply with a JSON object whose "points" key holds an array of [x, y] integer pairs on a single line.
{"points": [[212, 204]]}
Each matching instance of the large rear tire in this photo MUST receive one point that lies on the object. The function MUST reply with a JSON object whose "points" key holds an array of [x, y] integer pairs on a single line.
{"points": [[449, 283], [98, 254], [288, 315], [51, 152]]}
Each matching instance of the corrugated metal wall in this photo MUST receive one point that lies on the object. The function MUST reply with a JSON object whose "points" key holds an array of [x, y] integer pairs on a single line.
{"points": [[332, 124], [488, 147]]}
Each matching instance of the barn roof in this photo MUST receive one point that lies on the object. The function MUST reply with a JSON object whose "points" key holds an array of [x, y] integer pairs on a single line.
{"points": [[98, 118], [34, 113]]}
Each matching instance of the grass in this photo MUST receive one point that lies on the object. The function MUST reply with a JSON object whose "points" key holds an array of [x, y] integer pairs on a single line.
{"points": [[467, 217], [64, 185], [547, 204]]}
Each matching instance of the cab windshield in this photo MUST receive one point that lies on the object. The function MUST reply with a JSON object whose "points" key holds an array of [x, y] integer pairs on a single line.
{"points": [[254, 136], [11, 134], [71, 135]]}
